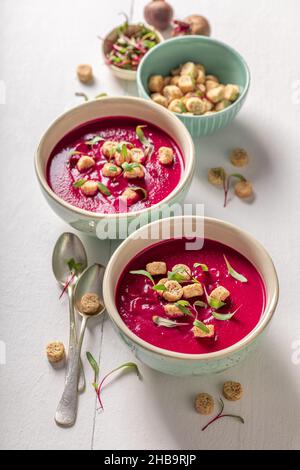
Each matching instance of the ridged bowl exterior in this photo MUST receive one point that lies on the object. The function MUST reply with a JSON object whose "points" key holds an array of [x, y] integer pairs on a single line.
{"points": [[218, 58]]}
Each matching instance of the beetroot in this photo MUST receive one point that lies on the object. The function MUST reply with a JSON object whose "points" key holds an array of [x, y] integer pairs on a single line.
{"points": [[159, 14]]}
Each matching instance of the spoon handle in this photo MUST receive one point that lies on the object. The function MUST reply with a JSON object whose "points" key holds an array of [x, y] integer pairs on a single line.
{"points": [[67, 408], [73, 337]]}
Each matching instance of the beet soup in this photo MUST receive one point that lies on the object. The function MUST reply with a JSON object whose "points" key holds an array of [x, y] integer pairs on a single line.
{"points": [[192, 302], [114, 165]]}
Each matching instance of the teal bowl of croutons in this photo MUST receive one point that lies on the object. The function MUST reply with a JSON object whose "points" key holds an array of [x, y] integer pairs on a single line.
{"points": [[203, 81]]}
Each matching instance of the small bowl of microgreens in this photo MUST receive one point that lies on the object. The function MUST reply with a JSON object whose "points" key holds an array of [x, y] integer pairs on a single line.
{"points": [[125, 46]]}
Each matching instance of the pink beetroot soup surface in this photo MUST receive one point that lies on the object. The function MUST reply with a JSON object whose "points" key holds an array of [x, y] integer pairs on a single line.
{"points": [[137, 302], [159, 180]]}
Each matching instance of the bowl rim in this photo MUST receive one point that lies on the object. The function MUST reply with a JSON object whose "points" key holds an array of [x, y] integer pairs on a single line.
{"points": [[185, 179], [201, 39], [109, 298], [130, 73]]}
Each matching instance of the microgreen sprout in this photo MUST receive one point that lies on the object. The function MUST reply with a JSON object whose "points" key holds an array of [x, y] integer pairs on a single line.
{"points": [[128, 366], [233, 273], [221, 415]]}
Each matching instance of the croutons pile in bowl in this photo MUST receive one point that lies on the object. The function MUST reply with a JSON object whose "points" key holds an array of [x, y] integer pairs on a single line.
{"points": [[190, 90]]}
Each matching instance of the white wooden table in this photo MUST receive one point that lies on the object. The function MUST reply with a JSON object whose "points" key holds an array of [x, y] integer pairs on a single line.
{"points": [[41, 43]]}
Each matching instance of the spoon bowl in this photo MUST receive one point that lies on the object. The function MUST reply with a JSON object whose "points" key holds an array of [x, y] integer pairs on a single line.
{"points": [[67, 247], [91, 281]]}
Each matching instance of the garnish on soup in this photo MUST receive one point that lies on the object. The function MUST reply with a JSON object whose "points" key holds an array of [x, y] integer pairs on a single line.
{"points": [[197, 311], [115, 165]]}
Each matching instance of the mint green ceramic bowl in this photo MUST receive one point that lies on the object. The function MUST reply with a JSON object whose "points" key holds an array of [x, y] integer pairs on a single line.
{"points": [[182, 364], [218, 58]]}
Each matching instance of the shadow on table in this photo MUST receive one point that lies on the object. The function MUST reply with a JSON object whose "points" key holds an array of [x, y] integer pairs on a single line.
{"points": [[269, 406], [244, 134]]}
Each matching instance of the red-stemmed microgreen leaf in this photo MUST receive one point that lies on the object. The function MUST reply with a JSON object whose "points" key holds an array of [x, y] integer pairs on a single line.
{"points": [[124, 151], [74, 267], [95, 366], [159, 287], [199, 324], [148, 146], [130, 166], [128, 366], [79, 183], [225, 316], [213, 303], [103, 189], [227, 182], [204, 267], [139, 189], [183, 306], [238, 176], [94, 140], [233, 273], [113, 168], [182, 107], [142, 272], [160, 321], [200, 304], [176, 276], [69, 281], [222, 415]]}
